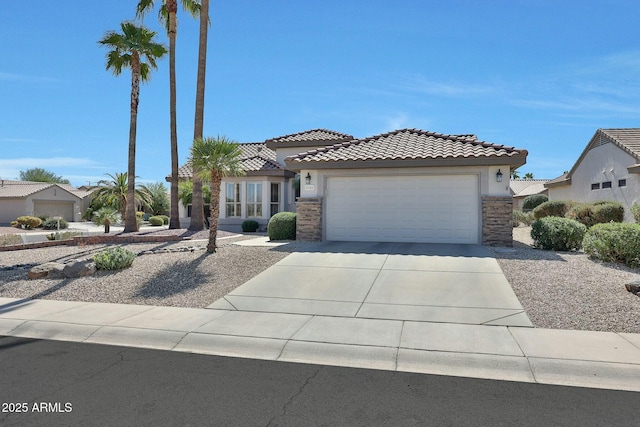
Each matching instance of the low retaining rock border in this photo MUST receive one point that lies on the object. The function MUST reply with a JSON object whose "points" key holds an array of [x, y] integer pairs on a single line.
{"points": [[94, 240]]}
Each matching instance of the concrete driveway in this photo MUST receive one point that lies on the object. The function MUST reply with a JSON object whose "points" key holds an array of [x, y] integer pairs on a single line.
{"points": [[395, 281]]}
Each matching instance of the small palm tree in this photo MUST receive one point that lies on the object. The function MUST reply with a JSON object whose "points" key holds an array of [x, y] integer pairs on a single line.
{"points": [[167, 16], [113, 193], [106, 216], [130, 49], [528, 175], [215, 158], [515, 174], [156, 198]]}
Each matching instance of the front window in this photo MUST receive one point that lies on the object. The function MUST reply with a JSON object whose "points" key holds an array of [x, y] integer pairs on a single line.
{"points": [[275, 198], [233, 203], [254, 199], [606, 184]]}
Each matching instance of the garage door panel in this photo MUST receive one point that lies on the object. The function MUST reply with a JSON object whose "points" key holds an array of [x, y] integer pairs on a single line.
{"points": [[53, 209], [438, 209]]}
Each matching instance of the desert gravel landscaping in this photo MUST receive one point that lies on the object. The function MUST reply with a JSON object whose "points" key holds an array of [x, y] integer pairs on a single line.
{"points": [[558, 290]]}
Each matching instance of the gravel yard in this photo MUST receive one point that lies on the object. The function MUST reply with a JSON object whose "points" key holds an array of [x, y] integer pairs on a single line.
{"points": [[558, 290], [180, 279], [567, 290]]}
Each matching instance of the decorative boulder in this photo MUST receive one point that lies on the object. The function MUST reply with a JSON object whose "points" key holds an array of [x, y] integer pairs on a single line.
{"points": [[49, 269], [79, 269], [633, 287]]}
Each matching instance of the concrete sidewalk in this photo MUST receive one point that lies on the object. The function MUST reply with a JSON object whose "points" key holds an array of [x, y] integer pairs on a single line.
{"points": [[512, 353]]}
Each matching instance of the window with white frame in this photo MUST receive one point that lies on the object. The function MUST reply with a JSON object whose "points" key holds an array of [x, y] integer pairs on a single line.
{"points": [[275, 198], [254, 199], [232, 201]]}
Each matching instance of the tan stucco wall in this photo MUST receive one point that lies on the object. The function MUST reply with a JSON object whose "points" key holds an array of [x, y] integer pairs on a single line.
{"points": [[604, 163], [10, 209]]}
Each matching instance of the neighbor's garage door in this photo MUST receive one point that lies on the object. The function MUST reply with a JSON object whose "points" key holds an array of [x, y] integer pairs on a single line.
{"points": [[429, 209], [51, 209]]}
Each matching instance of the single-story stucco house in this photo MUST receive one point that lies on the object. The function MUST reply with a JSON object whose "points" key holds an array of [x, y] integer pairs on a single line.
{"points": [[407, 185], [523, 188], [607, 169], [18, 198]]}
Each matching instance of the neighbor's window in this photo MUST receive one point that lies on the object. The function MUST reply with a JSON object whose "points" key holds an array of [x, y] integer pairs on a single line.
{"points": [[622, 183], [254, 199], [595, 186], [233, 204], [606, 184]]}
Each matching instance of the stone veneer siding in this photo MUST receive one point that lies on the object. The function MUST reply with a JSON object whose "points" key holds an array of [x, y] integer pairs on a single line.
{"points": [[309, 219], [497, 220]]}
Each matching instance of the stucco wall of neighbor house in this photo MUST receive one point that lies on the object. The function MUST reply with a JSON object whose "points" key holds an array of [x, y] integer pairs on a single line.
{"points": [[489, 186], [10, 209], [602, 164]]}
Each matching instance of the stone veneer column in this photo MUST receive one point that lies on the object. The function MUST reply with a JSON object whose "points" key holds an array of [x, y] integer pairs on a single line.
{"points": [[497, 220], [309, 219]]}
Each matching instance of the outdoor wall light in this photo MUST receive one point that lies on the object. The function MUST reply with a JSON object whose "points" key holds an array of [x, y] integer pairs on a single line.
{"points": [[308, 178], [499, 176]]}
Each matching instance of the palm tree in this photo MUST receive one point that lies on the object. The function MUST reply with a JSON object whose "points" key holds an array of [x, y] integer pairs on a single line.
{"points": [[515, 174], [113, 193], [215, 158], [106, 216], [528, 175], [197, 208], [168, 17], [129, 50], [156, 197]]}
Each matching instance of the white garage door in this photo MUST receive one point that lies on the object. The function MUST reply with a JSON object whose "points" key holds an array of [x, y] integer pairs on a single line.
{"points": [[429, 209], [51, 209]]}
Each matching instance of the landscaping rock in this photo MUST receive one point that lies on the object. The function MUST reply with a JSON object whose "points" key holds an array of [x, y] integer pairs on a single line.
{"points": [[79, 269], [49, 269], [633, 287]]}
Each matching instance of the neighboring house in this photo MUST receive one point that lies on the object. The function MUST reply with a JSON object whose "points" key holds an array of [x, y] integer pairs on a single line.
{"points": [[607, 169], [18, 198], [407, 185], [523, 188]]}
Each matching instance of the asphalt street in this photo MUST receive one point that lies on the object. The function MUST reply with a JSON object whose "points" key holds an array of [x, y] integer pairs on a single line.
{"points": [[61, 383]]}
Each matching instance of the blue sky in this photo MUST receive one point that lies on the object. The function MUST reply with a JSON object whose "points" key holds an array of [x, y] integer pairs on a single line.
{"points": [[540, 75]]}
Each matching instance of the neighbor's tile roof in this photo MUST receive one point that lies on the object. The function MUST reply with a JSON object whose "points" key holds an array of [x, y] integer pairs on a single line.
{"points": [[21, 189], [321, 136], [407, 144], [527, 187], [255, 157], [517, 186], [628, 138]]}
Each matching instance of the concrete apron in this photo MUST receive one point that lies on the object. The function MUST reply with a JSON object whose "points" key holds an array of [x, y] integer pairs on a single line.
{"points": [[394, 281]]}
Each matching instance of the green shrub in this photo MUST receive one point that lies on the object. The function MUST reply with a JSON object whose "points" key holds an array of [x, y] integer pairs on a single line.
{"points": [[282, 226], [140, 215], [608, 212], [525, 218], [600, 212], [250, 226], [533, 201], [114, 259], [43, 218], [165, 219], [614, 242], [552, 208], [558, 234], [52, 224], [635, 211], [29, 222], [16, 224], [10, 239], [156, 221]]}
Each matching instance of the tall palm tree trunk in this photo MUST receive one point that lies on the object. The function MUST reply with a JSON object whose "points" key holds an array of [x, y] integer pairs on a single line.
{"points": [[174, 219], [214, 205], [130, 223], [197, 203]]}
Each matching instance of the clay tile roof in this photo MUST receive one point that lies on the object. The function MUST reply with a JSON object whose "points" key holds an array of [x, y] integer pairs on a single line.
{"points": [[628, 139], [410, 146], [256, 157], [309, 138], [21, 189]]}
